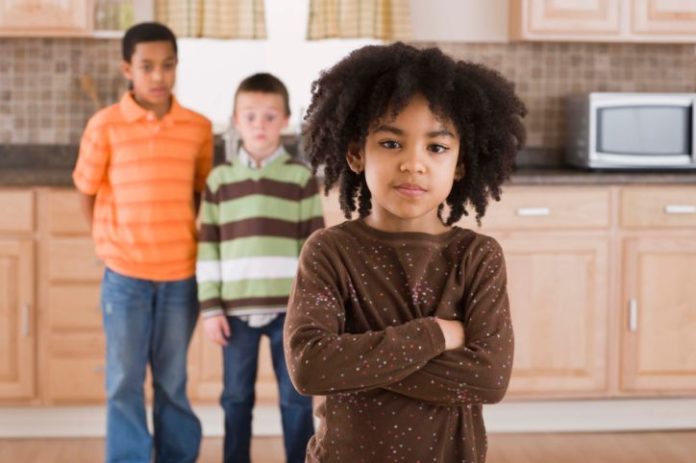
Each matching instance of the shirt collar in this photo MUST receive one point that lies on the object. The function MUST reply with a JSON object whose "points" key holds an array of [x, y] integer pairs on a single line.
{"points": [[245, 158], [132, 111]]}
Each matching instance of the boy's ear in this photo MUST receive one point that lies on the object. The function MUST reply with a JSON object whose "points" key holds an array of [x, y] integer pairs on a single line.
{"points": [[126, 70], [355, 159]]}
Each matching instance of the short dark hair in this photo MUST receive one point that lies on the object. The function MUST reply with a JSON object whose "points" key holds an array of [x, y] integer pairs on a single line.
{"points": [[378, 81], [145, 32], [265, 83]]}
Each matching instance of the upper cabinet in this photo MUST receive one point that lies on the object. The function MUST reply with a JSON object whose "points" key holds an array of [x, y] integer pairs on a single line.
{"points": [[71, 18], [603, 20], [46, 17]]}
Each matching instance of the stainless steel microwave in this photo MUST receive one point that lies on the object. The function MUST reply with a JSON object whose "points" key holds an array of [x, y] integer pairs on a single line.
{"points": [[632, 130]]}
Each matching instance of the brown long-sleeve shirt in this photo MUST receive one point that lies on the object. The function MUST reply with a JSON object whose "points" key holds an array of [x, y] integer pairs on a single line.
{"points": [[361, 330]]}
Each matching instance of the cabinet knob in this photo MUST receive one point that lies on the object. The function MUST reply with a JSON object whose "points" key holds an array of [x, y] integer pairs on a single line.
{"points": [[533, 211], [632, 315], [680, 209], [26, 319]]}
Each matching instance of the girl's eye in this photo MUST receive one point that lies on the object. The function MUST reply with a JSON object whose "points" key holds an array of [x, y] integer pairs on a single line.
{"points": [[147, 68], [390, 144], [437, 148], [168, 66], [249, 118], [270, 118]]}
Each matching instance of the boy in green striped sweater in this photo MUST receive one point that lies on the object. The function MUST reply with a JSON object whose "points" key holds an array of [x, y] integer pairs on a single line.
{"points": [[256, 213]]}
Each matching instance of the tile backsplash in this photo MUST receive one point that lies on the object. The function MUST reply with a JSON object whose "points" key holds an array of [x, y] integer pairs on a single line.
{"points": [[545, 73], [41, 100]]}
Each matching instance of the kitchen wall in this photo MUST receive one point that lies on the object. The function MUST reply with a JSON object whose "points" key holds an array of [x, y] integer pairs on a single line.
{"points": [[41, 100]]}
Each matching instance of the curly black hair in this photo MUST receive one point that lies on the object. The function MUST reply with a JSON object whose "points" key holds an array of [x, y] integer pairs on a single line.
{"points": [[355, 94]]}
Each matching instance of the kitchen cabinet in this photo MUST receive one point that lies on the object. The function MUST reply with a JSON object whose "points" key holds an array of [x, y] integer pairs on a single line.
{"points": [[556, 244], [72, 343], [46, 17], [603, 20], [658, 329], [600, 280], [17, 310]]}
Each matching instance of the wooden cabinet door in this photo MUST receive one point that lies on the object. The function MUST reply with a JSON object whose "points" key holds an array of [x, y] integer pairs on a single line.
{"points": [[659, 322], [565, 19], [45, 17], [667, 18], [557, 287], [17, 334]]}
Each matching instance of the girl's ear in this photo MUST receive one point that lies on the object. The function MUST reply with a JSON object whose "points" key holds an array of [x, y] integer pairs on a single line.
{"points": [[459, 172], [355, 159]]}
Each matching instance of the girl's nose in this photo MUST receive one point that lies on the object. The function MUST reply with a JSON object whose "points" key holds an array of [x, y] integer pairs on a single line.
{"points": [[412, 162]]}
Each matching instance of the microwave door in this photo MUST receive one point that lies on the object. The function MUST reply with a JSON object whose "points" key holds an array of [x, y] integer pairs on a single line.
{"points": [[645, 131]]}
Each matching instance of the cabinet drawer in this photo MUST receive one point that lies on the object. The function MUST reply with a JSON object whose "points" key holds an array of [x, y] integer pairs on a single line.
{"points": [[73, 259], [17, 208], [74, 307], [547, 208], [63, 213], [663, 206], [76, 367]]}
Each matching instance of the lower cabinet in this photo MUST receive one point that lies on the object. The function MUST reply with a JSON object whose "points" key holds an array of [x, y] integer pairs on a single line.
{"points": [[601, 280], [658, 329], [17, 332], [559, 306]]}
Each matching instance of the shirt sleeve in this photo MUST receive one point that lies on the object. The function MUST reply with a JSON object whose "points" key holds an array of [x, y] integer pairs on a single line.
{"points": [[479, 371], [322, 357], [208, 260], [311, 211], [204, 161], [93, 158]]}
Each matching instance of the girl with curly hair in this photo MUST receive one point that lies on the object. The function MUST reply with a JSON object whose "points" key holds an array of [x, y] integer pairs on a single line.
{"points": [[399, 317]]}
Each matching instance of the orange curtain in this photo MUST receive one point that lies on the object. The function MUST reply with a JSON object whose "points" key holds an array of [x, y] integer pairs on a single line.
{"points": [[377, 19], [221, 19]]}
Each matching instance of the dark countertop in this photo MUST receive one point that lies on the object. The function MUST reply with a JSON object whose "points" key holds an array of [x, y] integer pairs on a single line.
{"points": [[51, 165]]}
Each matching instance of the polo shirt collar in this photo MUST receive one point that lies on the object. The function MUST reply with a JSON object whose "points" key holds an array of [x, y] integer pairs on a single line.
{"points": [[132, 111]]}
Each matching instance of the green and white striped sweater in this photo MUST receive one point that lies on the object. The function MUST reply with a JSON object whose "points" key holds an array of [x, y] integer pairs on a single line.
{"points": [[253, 223]]}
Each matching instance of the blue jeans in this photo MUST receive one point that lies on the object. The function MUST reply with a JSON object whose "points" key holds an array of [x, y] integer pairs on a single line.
{"points": [[239, 362], [148, 321]]}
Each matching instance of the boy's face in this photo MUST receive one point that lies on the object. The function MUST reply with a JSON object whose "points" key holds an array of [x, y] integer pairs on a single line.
{"points": [[409, 163], [259, 118], [152, 70]]}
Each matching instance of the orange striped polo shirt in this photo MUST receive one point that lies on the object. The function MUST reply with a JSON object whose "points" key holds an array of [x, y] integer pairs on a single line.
{"points": [[144, 172]]}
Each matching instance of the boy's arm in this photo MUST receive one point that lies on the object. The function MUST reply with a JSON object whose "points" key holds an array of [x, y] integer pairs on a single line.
{"points": [[479, 371], [311, 214], [321, 357], [204, 164], [87, 207], [91, 167], [208, 260]]}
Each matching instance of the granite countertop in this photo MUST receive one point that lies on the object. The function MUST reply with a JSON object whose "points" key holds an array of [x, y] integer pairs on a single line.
{"points": [[51, 165]]}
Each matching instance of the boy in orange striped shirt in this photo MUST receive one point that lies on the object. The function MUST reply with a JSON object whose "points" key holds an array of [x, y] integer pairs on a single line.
{"points": [[142, 164]]}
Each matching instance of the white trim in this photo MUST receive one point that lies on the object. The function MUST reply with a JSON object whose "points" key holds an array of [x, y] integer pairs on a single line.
{"points": [[509, 417], [246, 268]]}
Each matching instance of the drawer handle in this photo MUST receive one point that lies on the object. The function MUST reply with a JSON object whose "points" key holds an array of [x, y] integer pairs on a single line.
{"points": [[680, 209], [533, 211], [632, 315], [26, 319]]}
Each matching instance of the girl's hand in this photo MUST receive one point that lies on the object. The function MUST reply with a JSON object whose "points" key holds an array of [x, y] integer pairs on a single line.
{"points": [[453, 331], [217, 329]]}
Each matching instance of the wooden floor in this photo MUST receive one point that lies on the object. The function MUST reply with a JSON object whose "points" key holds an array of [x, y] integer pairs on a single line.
{"points": [[662, 447]]}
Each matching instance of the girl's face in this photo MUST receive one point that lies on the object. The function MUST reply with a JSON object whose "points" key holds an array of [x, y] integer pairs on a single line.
{"points": [[410, 164]]}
